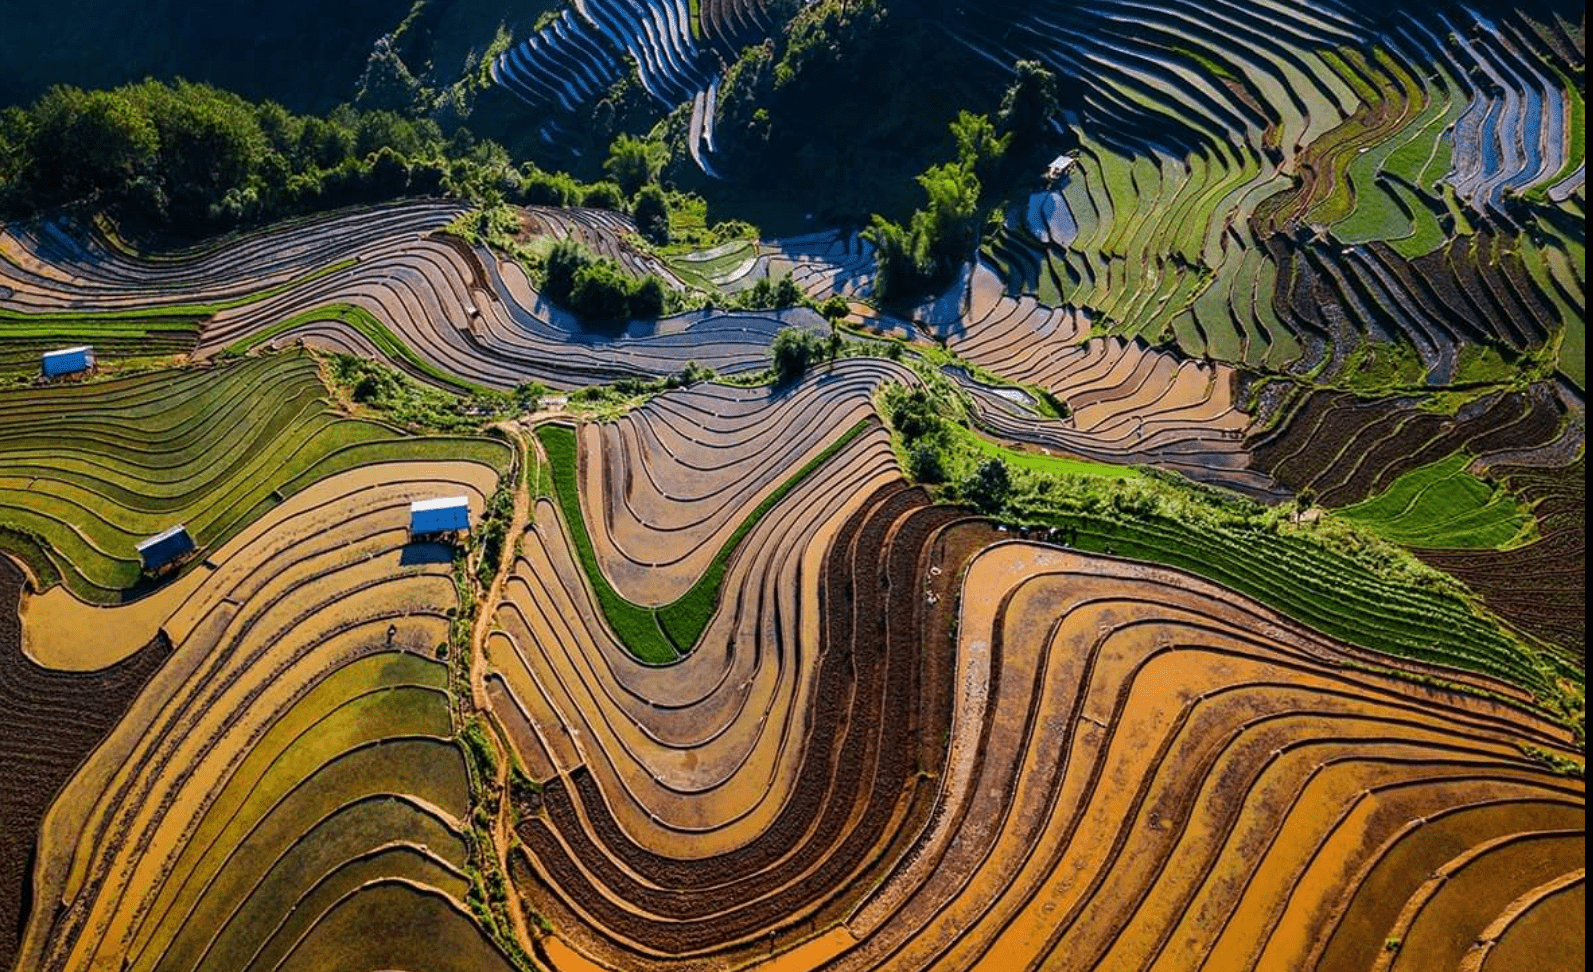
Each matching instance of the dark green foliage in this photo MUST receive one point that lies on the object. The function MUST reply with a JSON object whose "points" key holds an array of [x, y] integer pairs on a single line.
{"points": [[794, 348], [768, 294], [989, 486], [633, 162], [834, 308], [539, 188], [1029, 105], [914, 414], [565, 259], [88, 142], [483, 755], [601, 291], [529, 395], [924, 254], [979, 145], [603, 195], [832, 115], [597, 289], [306, 54], [920, 415], [194, 159], [650, 209], [647, 298], [924, 464]]}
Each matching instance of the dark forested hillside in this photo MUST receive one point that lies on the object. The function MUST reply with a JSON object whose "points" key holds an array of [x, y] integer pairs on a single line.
{"points": [[306, 54]]}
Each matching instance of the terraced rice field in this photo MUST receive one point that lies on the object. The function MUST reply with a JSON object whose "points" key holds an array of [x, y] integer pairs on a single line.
{"points": [[1540, 586], [289, 781], [603, 231], [49, 722], [91, 470], [426, 303], [1443, 506], [1268, 652], [1129, 403], [1073, 675], [820, 264], [1345, 449], [1272, 185]]}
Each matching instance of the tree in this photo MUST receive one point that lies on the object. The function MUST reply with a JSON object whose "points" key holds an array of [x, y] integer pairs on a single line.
{"points": [[980, 147], [16, 130], [924, 464], [787, 293], [1029, 105], [647, 298], [539, 188], [945, 230], [914, 415], [989, 486], [794, 348], [895, 269], [323, 145], [389, 173], [651, 212], [90, 141], [601, 292], [835, 308], [565, 259], [633, 162], [603, 195]]}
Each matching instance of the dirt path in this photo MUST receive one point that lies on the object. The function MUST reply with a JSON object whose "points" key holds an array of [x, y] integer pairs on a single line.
{"points": [[503, 824]]}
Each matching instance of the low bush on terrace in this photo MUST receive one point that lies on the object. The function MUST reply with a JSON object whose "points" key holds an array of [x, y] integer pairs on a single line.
{"points": [[401, 399], [795, 348], [597, 289]]}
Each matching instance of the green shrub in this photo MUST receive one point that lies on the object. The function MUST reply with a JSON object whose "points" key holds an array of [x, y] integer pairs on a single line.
{"points": [[603, 195], [650, 209], [601, 292], [989, 487], [924, 463], [794, 348], [634, 162]]}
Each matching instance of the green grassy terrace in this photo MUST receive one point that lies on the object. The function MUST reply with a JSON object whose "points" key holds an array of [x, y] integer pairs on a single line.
{"points": [[1441, 506], [1328, 590], [89, 470]]}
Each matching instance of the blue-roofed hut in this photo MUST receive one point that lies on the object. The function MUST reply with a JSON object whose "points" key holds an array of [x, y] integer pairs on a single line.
{"points": [[443, 515], [68, 361], [165, 548]]}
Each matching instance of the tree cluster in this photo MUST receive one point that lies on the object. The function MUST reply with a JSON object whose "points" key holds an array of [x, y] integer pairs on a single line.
{"points": [[923, 253], [768, 294], [195, 159], [597, 289], [795, 348]]}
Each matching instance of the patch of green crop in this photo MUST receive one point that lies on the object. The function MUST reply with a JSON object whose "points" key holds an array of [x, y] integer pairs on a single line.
{"points": [[1442, 506]]}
